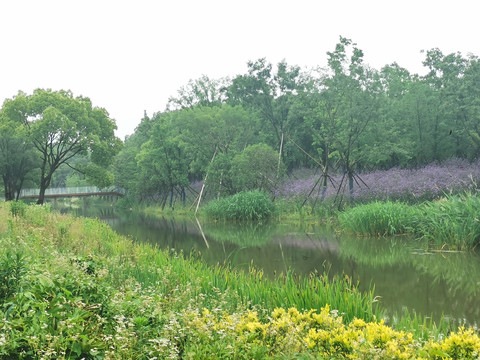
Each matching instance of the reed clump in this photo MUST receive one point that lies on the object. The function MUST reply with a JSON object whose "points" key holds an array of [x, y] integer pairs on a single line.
{"points": [[452, 221], [247, 205], [379, 218]]}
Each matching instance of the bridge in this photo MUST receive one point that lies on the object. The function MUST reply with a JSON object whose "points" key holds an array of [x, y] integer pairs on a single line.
{"points": [[82, 191]]}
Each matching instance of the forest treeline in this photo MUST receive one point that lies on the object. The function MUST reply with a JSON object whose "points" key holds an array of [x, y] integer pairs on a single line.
{"points": [[246, 132]]}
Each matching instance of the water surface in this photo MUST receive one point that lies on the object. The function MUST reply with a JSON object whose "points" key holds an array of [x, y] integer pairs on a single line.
{"points": [[404, 275]]}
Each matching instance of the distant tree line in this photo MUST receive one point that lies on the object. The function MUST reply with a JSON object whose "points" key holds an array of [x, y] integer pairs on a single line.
{"points": [[245, 133]]}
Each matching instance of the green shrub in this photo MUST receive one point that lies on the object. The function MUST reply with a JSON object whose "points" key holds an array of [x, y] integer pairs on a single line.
{"points": [[249, 205], [12, 269], [17, 208]]}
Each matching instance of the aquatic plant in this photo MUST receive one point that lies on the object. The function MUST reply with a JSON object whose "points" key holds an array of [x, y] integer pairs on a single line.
{"points": [[379, 218], [453, 221], [248, 205]]}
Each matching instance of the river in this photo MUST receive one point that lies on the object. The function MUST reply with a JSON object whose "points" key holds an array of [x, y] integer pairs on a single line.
{"points": [[404, 274]]}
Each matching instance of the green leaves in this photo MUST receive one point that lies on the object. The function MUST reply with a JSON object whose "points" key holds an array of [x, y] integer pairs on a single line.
{"points": [[61, 127]]}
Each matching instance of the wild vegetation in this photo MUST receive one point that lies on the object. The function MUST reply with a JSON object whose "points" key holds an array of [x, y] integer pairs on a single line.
{"points": [[250, 205], [451, 221], [71, 288], [355, 126]]}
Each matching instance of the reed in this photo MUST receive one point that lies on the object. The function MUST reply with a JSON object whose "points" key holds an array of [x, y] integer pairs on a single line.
{"points": [[379, 218], [248, 205], [453, 221]]}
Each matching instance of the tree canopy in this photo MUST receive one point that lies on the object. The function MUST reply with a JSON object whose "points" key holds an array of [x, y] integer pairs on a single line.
{"points": [[60, 127]]}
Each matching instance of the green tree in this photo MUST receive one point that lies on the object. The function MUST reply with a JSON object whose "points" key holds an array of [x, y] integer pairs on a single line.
{"points": [[128, 174], [350, 97], [200, 92], [255, 168], [60, 127], [270, 95], [163, 162], [17, 158], [446, 77]]}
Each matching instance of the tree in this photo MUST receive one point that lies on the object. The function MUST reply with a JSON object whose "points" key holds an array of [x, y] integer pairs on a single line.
{"points": [[163, 162], [60, 127], [270, 94], [350, 100], [255, 168], [201, 92], [17, 159]]}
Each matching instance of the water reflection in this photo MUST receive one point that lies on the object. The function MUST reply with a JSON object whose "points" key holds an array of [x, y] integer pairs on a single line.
{"points": [[404, 275]]}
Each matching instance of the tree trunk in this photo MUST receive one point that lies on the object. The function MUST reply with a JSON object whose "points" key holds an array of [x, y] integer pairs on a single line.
{"points": [[280, 156], [350, 184]]}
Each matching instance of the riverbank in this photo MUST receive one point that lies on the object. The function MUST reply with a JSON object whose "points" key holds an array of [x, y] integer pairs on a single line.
{"points": [[72, 288]]}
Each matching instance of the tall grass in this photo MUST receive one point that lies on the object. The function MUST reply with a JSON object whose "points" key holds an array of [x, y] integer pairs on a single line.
{"points": [[453, 221], [379, 218], [248, 205], [44, 233]]}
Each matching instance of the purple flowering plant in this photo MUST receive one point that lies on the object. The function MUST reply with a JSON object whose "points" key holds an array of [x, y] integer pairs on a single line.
{"points": [[426, 183]]}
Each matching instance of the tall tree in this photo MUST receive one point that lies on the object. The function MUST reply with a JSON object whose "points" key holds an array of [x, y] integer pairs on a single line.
{"points": [[17, 158], [163, 162], [200, 92], [270, 94], [350, 96], [60, 127]]}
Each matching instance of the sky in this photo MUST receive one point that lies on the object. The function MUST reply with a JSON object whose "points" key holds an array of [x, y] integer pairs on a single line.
{"points": [[131, 56]]}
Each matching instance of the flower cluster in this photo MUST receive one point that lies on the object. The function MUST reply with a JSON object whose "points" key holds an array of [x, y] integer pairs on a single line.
{"points": [[289, 332], [433, 179]]}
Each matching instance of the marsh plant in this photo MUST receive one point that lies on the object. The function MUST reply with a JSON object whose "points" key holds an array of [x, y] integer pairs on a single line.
{"points": [[451, 221], [248, 205]]}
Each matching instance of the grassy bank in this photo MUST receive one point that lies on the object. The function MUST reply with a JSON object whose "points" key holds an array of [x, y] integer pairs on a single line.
{"points": [[452, 221], [72, 288]]}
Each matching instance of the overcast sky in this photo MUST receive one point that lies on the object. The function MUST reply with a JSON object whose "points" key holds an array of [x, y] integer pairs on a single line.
{"points": [[130, 56]]}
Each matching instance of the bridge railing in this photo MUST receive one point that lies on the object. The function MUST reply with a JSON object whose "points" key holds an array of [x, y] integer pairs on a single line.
{"points": [[71, 190]]}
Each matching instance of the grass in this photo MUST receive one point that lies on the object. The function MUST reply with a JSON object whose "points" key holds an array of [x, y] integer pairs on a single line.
{"points": [[78, 290], [379, 218], [248, 205], [451, 222], [74, 288]]}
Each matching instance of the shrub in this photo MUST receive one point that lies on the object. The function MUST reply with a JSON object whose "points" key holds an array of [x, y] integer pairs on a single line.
{"points": [[17, 208], [249, 205]]}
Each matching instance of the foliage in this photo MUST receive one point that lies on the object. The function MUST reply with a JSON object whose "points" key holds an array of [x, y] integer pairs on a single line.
{"points": [[346, 119], [109, 298], [451, 221], [255, 168], [17, 208], [59, 127], [17, 157], [12, 269], [379, 218], [249, 205]]}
